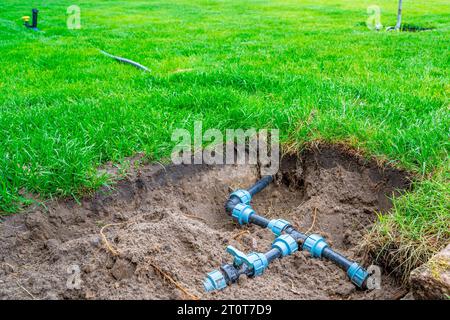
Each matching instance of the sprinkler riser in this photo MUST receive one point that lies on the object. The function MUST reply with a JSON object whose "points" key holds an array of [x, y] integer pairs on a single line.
{"points": [[34, 21]]}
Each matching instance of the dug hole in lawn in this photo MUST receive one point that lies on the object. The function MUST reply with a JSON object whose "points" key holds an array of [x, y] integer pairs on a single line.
{"points": [[161, 229]]}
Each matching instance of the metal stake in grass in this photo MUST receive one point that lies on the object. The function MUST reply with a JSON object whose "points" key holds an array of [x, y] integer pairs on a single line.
{"points": [[399, 18], [399, 15]]}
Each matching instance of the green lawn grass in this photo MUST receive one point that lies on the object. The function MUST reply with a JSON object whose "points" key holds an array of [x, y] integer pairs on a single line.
{"points": [[311, 68]]}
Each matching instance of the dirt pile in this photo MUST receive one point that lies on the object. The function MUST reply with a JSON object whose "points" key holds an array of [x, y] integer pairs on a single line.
{"points": [[172, 220]]}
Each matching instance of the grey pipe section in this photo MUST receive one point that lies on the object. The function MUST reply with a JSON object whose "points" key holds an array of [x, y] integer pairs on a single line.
{"points": [[35, 19]]}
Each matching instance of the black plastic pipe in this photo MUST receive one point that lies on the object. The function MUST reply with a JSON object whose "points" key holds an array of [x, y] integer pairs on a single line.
{"points": [[272, 255], [229, 273], [34, 22], [337, 258], [260, 185], [259, 220], [300, 237]]}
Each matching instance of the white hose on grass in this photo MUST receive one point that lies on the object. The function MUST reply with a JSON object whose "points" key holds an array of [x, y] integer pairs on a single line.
{"points": [[124, 60]]}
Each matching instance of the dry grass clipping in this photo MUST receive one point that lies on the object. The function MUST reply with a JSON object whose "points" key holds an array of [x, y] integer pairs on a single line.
{"points": [[108, 246], [313, 222], [292, 289], [174, 282], [240, 234], [25, 289]]}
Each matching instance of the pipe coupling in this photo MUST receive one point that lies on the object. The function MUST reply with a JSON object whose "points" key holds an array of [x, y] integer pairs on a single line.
{"points": [[278, 225], [286, 244], [315, 244], [242, 213]]}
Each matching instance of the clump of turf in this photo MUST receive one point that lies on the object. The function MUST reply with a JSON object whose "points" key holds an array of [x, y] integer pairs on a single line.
{"points": [[417, 227], [415, 28]]}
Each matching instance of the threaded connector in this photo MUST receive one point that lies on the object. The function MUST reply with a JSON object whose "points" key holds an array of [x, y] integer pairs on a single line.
{"points": [[258, 263]]}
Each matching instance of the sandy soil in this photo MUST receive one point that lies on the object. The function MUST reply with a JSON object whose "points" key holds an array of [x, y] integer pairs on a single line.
{"points": [[172, 220]]}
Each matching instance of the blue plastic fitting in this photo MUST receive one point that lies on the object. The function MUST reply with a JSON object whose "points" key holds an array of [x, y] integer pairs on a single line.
{"points": [[277, 225], [242, 213], [357, 274], [256, 261], [315, 244], [243, 195], [286, 244], [214, 281]]}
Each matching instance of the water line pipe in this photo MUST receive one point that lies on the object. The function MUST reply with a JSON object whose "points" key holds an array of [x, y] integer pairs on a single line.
{"points": [[128, 61], [238, 206], [260, 185]]}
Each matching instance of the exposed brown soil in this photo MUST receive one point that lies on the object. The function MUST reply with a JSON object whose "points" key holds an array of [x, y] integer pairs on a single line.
{"points": [[172, 219]]}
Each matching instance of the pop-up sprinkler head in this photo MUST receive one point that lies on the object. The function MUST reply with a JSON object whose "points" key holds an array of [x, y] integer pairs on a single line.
{"points": [[33, 25]]}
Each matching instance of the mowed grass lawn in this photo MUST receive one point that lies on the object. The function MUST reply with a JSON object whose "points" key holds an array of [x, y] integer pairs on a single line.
{"points": [[310, 68]]}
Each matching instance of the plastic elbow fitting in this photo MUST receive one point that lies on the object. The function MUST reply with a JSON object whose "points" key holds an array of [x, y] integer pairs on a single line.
{"points": [[244, 196], [315, 244]]}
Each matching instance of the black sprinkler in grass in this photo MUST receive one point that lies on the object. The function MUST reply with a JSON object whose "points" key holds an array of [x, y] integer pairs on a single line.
{"points": [[34, 23], [288, 240]]}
